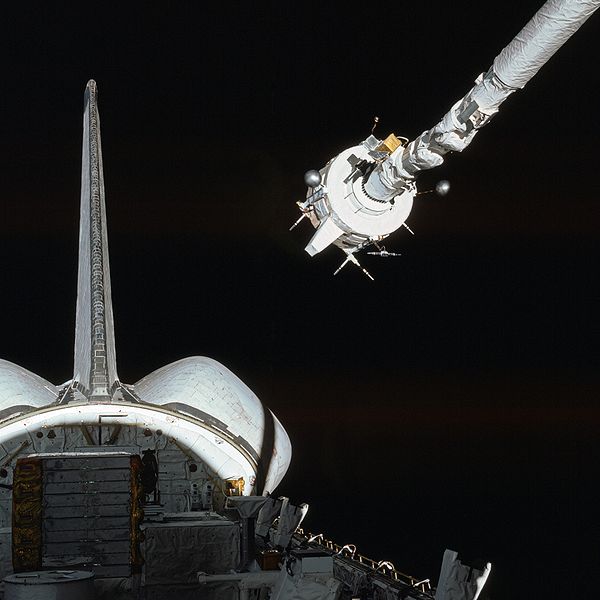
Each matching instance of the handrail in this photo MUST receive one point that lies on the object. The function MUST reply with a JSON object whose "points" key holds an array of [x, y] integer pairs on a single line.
{"points": [[348, 551]]}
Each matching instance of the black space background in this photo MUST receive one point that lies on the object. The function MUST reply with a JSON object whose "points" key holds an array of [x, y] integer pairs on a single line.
{"points": [[452, 402]]}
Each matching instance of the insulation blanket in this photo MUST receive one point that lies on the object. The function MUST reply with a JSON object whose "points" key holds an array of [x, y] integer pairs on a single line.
{"points": [[548, 30], [175, 552]]}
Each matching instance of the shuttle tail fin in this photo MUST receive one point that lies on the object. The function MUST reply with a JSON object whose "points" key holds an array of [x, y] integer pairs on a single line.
{"points": [[95, 370]]}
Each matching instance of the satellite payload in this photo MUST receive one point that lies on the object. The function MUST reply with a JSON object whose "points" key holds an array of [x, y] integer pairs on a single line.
{"points": [[367, 191]]}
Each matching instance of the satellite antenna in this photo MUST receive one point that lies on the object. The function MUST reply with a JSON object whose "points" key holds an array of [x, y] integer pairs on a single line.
{"points": [[350, 258]]}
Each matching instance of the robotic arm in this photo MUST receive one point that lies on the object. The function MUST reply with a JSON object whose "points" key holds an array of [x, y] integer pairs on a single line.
{"points": [[366, 192]]}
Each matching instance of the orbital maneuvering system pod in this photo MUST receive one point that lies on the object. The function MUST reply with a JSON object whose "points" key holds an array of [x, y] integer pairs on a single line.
{"points": [[367, 192]]}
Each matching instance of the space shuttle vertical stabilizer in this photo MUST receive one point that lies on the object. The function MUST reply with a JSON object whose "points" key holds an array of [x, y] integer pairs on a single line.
{"points": [[95, 371]]}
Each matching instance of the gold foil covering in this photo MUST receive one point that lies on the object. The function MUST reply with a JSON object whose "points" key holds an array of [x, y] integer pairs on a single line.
{"points": [[137, 514], [235, 487], [27, 515], [390, 144]]}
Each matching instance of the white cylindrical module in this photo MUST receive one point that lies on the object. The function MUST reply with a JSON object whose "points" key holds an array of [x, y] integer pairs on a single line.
{"points": [[343, 213], [49, 585]]}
